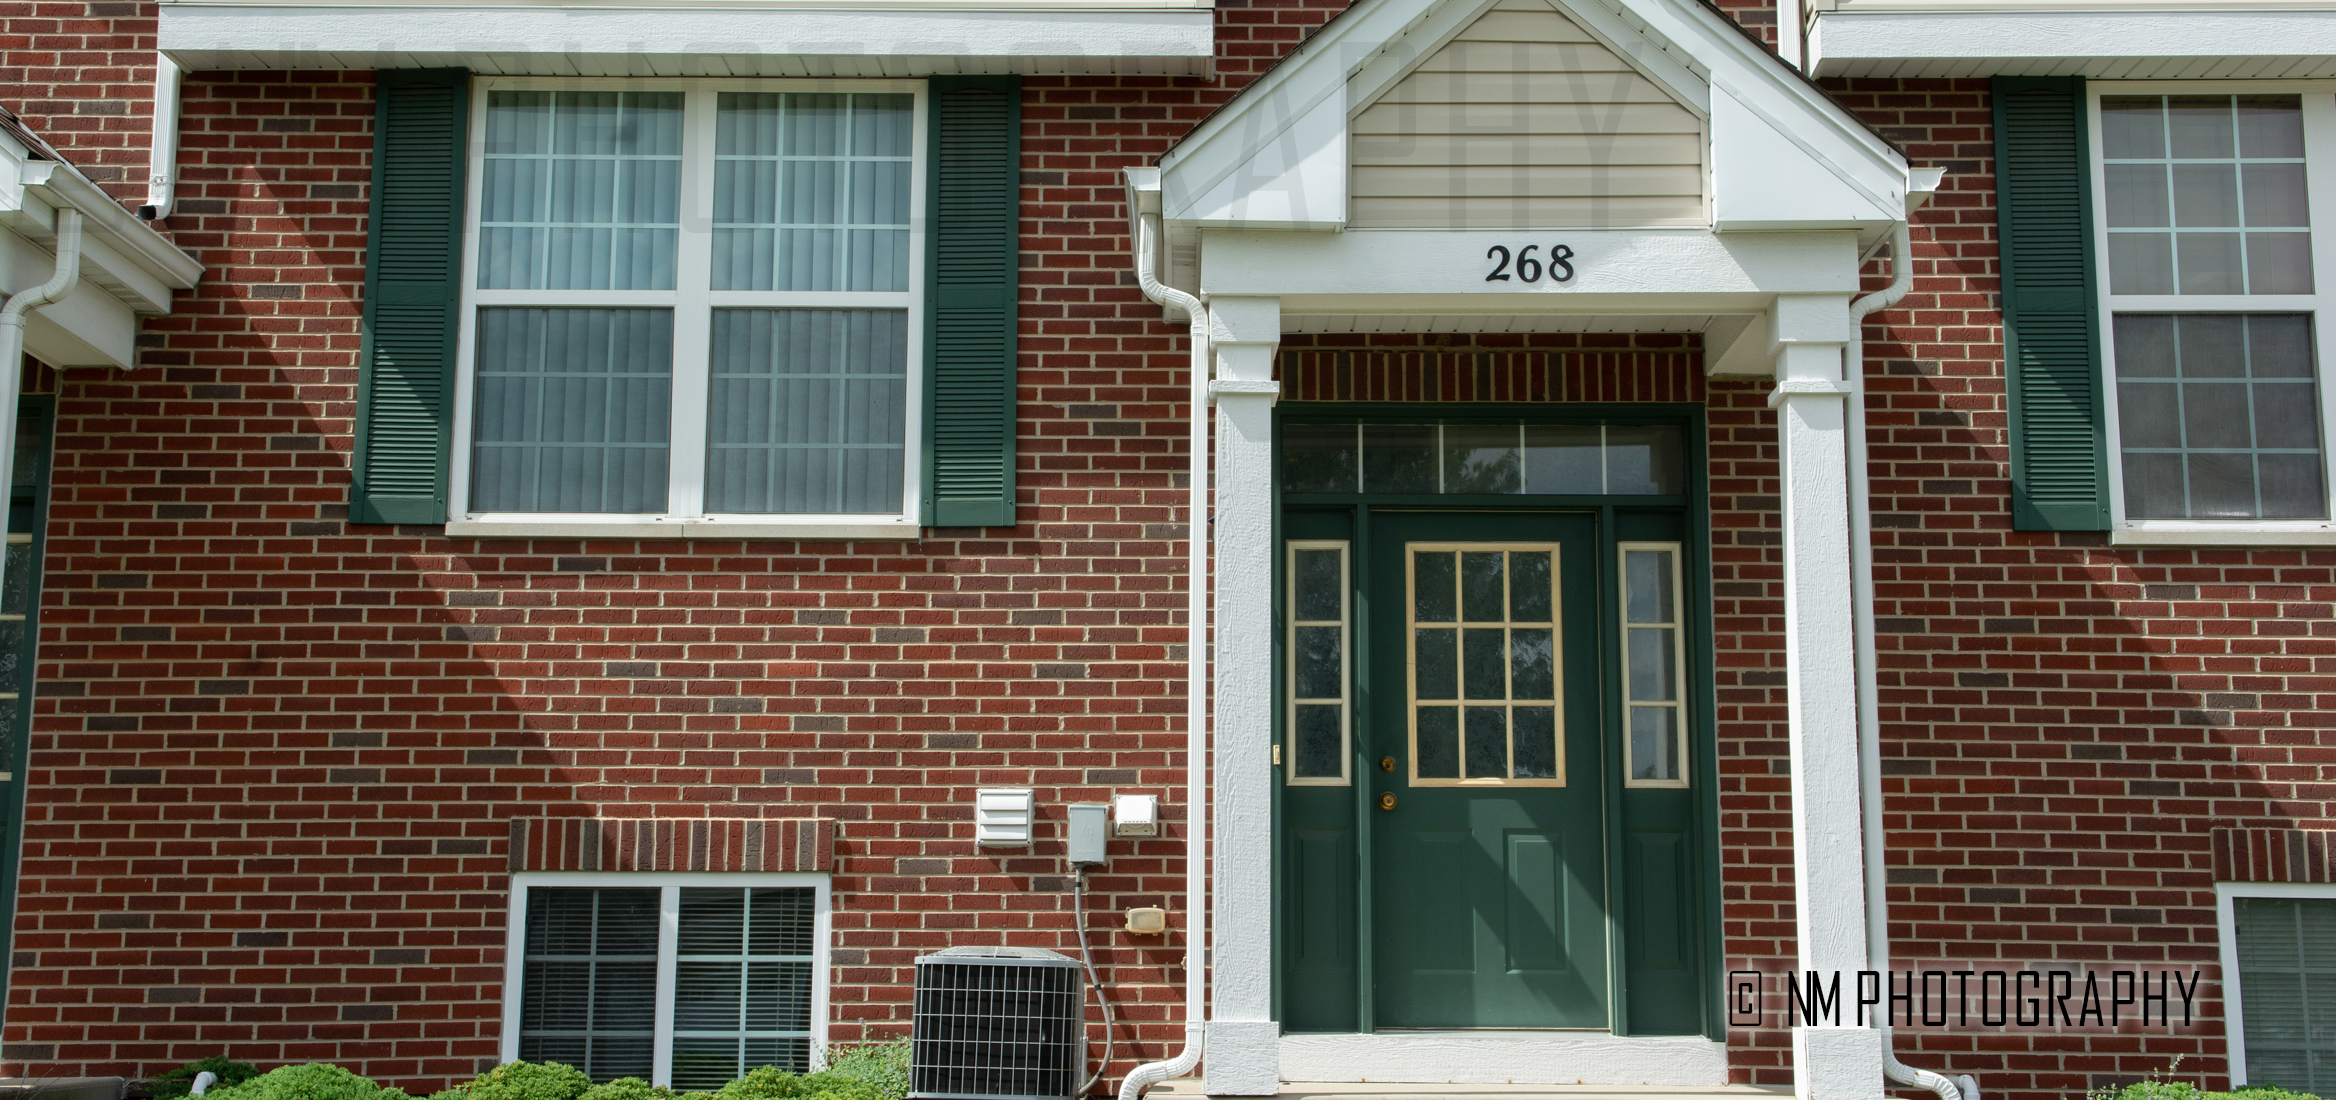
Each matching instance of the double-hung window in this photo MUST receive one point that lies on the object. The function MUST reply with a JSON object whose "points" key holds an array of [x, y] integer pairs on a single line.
{"points": [[2214, 291], [688, 980], [691, 303]]}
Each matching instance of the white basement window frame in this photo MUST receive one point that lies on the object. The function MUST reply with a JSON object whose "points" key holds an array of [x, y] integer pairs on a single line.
{"points": [[2318, 103], [2226, 897], [693, 302], [668, 960]]}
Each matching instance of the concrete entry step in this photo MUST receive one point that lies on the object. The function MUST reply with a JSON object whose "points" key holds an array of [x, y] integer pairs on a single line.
{"points": [[1190, 1088]]}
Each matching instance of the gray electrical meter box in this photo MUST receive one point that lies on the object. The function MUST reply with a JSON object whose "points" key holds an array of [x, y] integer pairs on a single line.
{"points": [[1090, 822]]}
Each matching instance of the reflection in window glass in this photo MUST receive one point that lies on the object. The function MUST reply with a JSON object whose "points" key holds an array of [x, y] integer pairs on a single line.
{"points": [[2218, 416], [581, 190], [2205, 194], [1654, 683], [1317, 671], [1321, 458], [1493, 458]]}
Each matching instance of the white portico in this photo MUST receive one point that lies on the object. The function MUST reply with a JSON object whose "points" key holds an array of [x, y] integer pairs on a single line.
{"points": [[1531, 165]]}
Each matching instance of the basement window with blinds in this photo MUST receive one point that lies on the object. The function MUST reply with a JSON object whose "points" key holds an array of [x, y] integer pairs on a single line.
{"points": [[2279, 967], [2212, 298], [681, 980], [691, 300]]}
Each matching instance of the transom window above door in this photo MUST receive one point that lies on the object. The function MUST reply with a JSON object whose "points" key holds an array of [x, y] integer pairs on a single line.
{"points": [[696, 299], [1493, 457]]}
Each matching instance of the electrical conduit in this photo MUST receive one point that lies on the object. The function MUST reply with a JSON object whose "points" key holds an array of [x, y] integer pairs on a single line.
{"points": [[1196, 680], [12, 318], [1869, 707]]}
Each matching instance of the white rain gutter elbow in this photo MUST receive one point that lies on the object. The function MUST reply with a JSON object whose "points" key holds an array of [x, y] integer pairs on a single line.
{"points": [[1143, 185], [162, 159], [12, 318], [1869, 707], [204, 1081]]}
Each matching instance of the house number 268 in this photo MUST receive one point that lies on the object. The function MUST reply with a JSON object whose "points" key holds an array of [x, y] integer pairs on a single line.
{"points": [[1528, 267]]}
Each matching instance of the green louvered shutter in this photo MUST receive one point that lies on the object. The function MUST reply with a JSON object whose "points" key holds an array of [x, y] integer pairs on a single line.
{"points": [[413, 256], [2051, 314], [973, 209]]}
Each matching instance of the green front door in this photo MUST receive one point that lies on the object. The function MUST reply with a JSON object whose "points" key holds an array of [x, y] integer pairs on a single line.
{"points": [[1487, 834]]}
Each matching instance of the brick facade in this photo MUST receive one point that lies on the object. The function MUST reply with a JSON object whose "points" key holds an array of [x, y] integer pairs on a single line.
{"points": [[277, 756]]}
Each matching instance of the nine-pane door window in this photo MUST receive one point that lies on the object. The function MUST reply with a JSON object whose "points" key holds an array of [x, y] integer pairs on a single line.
{"points": [[693, 301]]}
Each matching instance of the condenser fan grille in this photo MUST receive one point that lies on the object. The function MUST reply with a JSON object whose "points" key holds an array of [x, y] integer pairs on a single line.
{"points": [[998, 1024]]}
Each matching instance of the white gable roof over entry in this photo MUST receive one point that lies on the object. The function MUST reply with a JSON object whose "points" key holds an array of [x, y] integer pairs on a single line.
{"points": [[1311, 145]]}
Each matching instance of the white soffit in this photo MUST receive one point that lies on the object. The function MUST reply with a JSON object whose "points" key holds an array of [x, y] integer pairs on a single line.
{"points": [[1266, 158], [2130, 40], [127, 269], [1157, 37], [1492, 323]]}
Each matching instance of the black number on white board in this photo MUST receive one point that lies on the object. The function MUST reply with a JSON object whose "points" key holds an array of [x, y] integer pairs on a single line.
{"points": [[1559, 269]]}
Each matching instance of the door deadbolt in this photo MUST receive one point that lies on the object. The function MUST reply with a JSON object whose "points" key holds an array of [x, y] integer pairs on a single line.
{"points": [[1387, 763], [1387, 801]]}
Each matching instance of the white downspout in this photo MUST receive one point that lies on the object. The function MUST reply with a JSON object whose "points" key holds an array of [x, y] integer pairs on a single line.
{"points": [[1869, 707], [162, 157], [12, 316], [1196, 680]]}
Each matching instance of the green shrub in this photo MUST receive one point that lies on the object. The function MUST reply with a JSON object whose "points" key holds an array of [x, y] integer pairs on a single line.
{"points": [[628, 1088], [181, 1081], [314, 1081], [524, 1081], [772, 1083], [884, 1065], [2156, 1086]]}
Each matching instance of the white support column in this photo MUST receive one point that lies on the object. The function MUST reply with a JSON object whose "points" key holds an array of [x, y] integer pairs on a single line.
{"points": [[1833, 1059], [1243, 1056]]}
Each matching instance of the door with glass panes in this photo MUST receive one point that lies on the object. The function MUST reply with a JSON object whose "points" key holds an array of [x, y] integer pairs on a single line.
{"points": [[1485, 818]]}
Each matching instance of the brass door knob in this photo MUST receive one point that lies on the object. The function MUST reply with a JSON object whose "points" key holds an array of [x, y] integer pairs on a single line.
{"points": [[1387, 801], [1387, 764]]}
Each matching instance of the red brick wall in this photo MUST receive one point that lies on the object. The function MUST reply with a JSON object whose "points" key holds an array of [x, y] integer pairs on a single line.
{"points": [[276, 754]]}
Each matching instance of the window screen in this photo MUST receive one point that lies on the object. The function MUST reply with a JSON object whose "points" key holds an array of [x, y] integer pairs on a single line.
{"points": [[2287, 989]]}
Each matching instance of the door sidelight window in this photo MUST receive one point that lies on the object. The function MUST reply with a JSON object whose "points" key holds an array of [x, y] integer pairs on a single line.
{"points": [[1319, 691], [1654, 661]]}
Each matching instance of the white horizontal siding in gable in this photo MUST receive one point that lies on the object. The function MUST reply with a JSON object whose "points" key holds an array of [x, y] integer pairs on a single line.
{"points": [[1525, 121]]}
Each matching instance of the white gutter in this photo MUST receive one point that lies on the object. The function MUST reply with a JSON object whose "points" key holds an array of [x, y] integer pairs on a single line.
{"points": [[1869, 707], [1195, 656], [12, 315], [162, 160]]}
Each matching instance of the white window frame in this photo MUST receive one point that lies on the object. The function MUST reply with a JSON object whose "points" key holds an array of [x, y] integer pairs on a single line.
{"points": [[1346, 662], [668, 931], [2226, 922], [1681, 738], [692, 302], [2319, 110]]}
